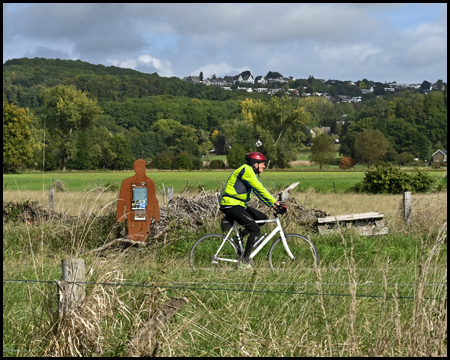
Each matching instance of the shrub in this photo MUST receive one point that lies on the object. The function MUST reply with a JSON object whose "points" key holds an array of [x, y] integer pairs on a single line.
{"points": [[236, 156], [436, 165], [163, 161], [405, 158], [111, 186], [421, 182], [387, 179], [197, 163], [217, 164], [183, 161], [346, 163]]}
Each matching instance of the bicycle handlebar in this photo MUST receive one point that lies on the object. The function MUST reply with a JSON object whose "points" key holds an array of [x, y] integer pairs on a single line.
{"points": [[282, 209]]}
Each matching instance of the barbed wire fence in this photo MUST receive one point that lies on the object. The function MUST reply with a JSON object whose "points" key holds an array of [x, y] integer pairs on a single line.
{"points": [[189, 286], [232, 287]]}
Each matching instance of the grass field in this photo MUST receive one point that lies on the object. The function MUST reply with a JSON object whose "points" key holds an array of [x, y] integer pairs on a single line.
{"points": [[370, 296], [321, 181]]}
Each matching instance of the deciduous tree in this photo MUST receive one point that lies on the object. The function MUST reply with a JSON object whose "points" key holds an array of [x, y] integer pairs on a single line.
{"points": [[18, 138], [279, 118], [236, 156], [322, 150], [370, 147], [121, 147], [68, 111]]}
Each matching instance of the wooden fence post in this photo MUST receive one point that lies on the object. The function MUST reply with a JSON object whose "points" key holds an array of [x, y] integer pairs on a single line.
{"points": [[51, 197], [71, 295], [163, 194], [169, 194], [407, 206]]}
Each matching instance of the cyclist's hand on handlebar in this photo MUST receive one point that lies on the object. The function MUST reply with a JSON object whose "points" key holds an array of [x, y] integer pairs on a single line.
{"points": [[279, 208]]}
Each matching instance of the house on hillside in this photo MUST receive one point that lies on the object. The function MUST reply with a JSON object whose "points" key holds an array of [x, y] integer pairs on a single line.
{"points": [[217, 81], [238, 78], [248, 79], [440, 156], [193, 79], [229, 79], [261, 80]]}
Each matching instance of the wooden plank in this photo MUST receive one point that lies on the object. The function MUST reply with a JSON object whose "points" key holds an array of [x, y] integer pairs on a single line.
{"points": [[350, 217], [368, 230], [284, 195], [372, 230]]}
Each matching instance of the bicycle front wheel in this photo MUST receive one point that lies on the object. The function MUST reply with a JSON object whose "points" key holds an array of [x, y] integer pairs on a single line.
{"points": [[214, 252], [303, 249]]}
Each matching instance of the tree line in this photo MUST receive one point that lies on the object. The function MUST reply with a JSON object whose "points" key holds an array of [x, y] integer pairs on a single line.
{"points": [[75, 115]]}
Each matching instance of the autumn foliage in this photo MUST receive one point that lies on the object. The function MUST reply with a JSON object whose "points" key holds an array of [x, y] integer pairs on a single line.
{"points": [[346, 163]]}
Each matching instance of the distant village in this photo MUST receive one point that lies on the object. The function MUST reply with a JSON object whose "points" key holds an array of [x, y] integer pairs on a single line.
{"points": [[272, 85]]}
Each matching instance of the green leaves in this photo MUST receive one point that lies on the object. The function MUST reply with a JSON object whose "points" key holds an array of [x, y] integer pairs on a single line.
{"points": [[18, 139], [69, 112], [386, 179], [323, 150], [280, 118]]}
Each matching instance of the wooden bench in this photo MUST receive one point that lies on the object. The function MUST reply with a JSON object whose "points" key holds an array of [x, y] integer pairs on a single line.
{"points": [[365, 223]]}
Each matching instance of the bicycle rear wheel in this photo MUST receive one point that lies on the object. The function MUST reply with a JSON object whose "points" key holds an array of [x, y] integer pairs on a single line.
{"points": [[303, 249], [205, 254]]}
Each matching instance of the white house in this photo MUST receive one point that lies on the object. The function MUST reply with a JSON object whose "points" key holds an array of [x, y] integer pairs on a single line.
{"points": [[261, 80], [440, 156], [248, 79]]}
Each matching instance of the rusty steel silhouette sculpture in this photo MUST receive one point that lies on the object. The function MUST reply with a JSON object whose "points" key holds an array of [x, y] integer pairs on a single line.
{"points": [[138, 197]]}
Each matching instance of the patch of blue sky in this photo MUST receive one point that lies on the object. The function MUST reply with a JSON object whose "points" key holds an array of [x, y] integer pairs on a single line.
{"points": [[14, 7], [406, 16], [161, 41]]}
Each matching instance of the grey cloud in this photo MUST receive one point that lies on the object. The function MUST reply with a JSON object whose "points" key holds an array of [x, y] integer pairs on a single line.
{"points": [[93, 28], [47, 52], [324, 40]]}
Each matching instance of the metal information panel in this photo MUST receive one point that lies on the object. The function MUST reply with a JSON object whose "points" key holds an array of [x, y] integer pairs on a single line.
{"points": [[139, 203]]}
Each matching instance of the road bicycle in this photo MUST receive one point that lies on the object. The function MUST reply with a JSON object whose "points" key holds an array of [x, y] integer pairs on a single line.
{"points": [[223, 251]]}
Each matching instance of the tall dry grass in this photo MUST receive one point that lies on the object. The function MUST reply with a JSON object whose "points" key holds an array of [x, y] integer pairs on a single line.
{"points": [[429, 211], [228, 323], [425, 207]]}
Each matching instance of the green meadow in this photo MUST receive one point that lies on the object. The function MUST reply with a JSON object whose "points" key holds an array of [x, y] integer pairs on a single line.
{"points": [[323, 181]]}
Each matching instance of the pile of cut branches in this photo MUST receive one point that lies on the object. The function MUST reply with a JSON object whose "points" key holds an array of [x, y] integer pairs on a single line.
{"points": [[187, 212], [30, 212], [194, 212]]}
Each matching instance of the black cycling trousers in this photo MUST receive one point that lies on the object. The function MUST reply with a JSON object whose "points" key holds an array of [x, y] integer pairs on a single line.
{"points": [[246, 218]]}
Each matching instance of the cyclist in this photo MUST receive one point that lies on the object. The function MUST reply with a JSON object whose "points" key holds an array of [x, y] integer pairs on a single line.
{"points": [[237, 193]]}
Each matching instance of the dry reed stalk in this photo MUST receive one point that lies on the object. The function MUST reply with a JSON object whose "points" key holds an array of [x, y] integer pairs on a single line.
{"points": [[81, 333], [322, 306], [350, 261]]}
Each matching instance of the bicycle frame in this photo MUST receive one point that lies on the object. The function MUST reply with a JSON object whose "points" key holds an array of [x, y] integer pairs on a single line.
{"points": [[259, 244]]}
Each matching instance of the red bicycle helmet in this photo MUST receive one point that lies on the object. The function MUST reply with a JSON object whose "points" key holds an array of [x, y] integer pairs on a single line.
{"points": [[254, 157]]}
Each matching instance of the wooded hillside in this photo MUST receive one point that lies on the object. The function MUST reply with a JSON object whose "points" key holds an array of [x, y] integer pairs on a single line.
{"points": [[136, 115]]}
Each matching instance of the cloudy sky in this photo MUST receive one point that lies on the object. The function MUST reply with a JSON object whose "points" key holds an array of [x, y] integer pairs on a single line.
{"points": [[380, 42]]}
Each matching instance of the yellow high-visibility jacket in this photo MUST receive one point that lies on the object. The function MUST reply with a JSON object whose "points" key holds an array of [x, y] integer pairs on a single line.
{"points": [[238, 190]]}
